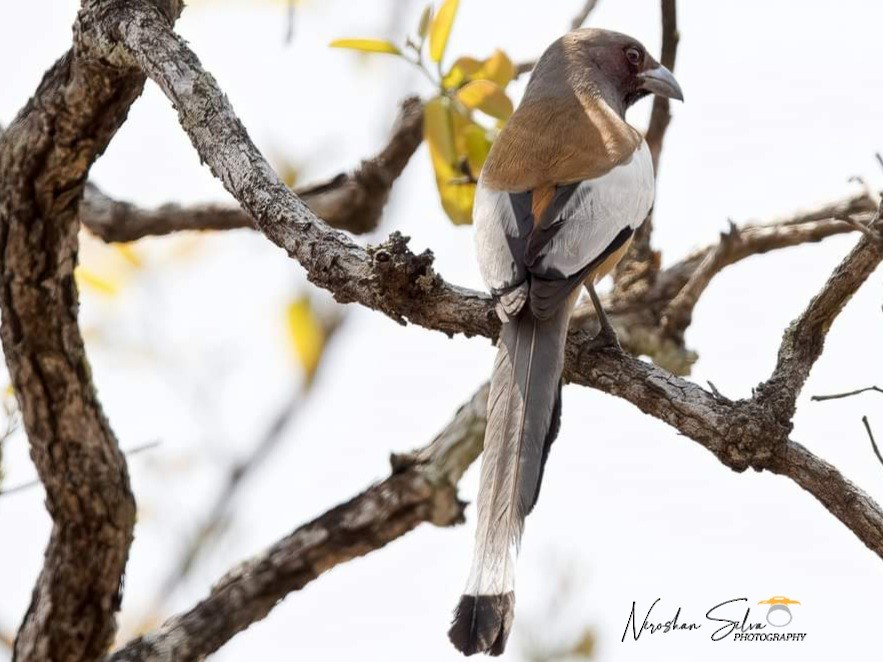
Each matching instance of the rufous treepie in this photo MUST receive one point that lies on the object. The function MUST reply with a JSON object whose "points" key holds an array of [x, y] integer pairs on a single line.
{"points": [[566, 184]]}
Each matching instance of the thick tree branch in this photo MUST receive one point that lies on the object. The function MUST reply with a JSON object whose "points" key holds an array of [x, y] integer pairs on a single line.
{"points": [[389, 278], [352, 202], [742, 434], [422, 488], [45, 157]]}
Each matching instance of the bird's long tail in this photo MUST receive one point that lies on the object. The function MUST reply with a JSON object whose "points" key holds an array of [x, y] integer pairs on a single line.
{"points": [[524, 408]]}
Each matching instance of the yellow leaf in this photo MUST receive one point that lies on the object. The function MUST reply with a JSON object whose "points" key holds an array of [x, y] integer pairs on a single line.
{"points": [[441, 29], [438, 128], [486, 96], [423, 25], [127, 252], [461, 72], [307, 335], [497, 68], [90, 280], [456, 195], [367, 45], [477, 147], [457, 199]]}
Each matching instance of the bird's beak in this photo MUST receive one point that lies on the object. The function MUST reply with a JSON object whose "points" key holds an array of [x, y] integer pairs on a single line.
{"points": [[662, 82]]}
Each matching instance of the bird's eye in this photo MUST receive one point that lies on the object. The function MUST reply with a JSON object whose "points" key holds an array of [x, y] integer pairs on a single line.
{"points": [[634, 56]]}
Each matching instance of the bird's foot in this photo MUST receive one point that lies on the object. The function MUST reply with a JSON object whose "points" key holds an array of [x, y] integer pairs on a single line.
{"points": [[605, 339]]}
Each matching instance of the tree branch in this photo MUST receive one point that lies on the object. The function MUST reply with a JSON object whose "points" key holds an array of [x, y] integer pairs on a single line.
{"points": [[45, 157], [352, 202], [848, 503], [837, 396], [754, 239], [867, 425], [653, 323], [422, 488], [638, 269], [389, 278], [805, 338], [575, 23]]}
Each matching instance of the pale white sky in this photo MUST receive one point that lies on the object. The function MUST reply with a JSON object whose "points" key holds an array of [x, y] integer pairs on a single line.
{"points": [[783, 106]]}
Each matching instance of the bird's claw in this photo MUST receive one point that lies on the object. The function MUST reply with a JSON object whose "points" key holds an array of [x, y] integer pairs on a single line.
{"points": [[605, 339]]}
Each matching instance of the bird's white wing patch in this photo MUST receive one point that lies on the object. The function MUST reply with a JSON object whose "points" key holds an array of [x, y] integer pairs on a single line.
{"points": [[597, 212], [498, 236]]}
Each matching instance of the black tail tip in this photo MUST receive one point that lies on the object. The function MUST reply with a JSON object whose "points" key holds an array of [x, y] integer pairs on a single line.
{"points": [[482, 623]]}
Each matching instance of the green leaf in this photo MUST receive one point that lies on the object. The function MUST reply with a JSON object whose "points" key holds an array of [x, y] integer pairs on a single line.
{"points": [[441, 29], [367, 45]]}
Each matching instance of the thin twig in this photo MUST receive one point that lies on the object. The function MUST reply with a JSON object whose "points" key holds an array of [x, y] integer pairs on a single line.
{"points": [[576, 22], [289, 22], [135, 450], [837, 396], [870, 233], [213, 524], [583, 14], [640, 265], [873, 441]]}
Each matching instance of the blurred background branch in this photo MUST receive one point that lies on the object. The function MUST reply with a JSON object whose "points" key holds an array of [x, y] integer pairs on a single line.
{"points": [[421, 488], [349, 201]]}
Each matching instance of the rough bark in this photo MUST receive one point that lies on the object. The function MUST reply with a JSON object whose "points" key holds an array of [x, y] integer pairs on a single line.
{"points": [[393, 280], [47, 153], [349, 201], [45, 157]]}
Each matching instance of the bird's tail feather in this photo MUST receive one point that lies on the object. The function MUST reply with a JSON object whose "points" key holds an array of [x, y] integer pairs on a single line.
{"points": [[523, 408]]}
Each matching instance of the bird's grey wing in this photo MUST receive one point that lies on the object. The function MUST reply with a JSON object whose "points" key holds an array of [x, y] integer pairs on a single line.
{"points": [[598, 217]]}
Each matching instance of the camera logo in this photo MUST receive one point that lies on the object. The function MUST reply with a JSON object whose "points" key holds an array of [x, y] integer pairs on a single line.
{"points": [[779, 614]]}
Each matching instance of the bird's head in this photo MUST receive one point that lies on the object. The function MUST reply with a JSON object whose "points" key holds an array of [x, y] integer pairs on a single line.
{"points": [[615, 65]]}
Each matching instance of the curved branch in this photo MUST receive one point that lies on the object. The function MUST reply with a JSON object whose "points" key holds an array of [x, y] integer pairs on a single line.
{"points": [[851, 505], [389, 278], [352, 202], [653, 321], [755, 239], [422, 488], [805, 338], [45, 157]]}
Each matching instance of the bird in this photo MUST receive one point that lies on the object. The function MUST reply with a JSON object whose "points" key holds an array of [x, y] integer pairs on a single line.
{"points": [[565, 185]]}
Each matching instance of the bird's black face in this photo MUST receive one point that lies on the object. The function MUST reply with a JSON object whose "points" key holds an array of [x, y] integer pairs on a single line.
{"points": [[626, 68]]}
